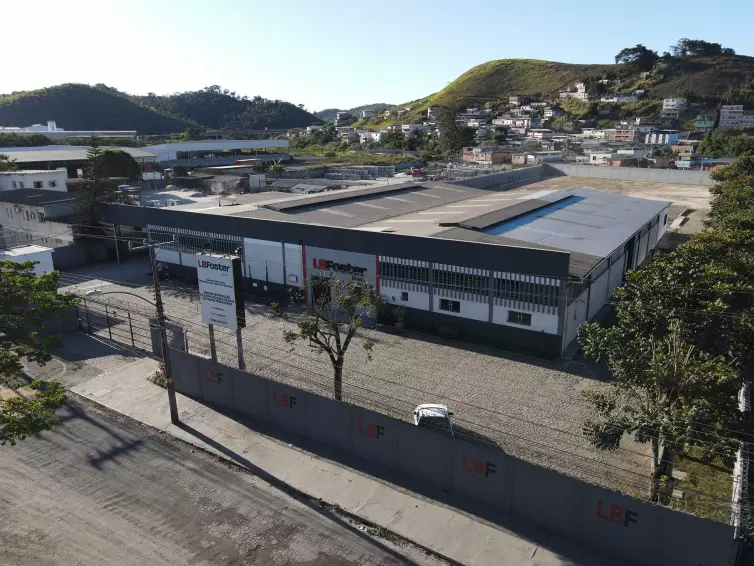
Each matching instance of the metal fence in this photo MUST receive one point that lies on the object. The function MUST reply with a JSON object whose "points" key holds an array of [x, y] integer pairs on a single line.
{"points": [[115, 323]]}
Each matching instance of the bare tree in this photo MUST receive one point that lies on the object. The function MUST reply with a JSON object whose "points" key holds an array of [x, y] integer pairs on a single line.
{"points": [[335, 314]]}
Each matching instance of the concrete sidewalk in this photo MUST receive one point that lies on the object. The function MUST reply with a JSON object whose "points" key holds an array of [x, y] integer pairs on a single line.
{"points": [[434, 522]]}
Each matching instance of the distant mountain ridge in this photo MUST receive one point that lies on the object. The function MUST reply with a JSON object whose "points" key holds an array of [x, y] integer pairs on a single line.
{"points": [[85, 107]]}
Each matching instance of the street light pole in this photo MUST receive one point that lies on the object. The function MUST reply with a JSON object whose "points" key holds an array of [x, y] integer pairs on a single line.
{"points": [[163, 338]]}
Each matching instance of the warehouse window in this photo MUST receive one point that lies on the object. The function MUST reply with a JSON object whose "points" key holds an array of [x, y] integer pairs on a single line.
{"points": [[404, 295], [52, 184], [38, 184], [664, 220], [450, 306], [15, 185], [517, 317], [41, 216]]}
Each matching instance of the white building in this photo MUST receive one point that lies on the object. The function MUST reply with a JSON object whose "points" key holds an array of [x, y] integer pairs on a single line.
{"points": [[408, 128], [577, 91], [40, 254], [734, 116], [620, 97], [29, 216], [52, 131], [674, 106], [367, 113], [51, 180], [553, 111], [540, 133], [212, 151]]}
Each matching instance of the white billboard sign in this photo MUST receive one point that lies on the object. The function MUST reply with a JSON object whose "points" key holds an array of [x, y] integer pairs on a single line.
{"points": [[219, 290]]}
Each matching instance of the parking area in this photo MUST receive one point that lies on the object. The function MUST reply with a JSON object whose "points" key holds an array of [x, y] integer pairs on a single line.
{"points": [[525, 406]]}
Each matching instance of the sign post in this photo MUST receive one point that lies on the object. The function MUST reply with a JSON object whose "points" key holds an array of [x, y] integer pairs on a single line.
{"points": [[220, 291]]}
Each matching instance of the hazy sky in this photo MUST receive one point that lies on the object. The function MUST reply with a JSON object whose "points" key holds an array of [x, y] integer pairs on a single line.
{"points": [[327, 53]]}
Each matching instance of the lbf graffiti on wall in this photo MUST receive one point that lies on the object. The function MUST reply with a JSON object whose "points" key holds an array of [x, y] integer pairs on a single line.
{"points": [[617, 515], [478, 466], [284, 400], [213, 376], [371, 430]]}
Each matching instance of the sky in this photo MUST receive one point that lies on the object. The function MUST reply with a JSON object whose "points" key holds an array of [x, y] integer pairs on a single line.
{"points": [[329, 53]]}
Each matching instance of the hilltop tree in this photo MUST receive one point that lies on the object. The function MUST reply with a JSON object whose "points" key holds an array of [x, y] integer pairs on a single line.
{"points": [[7, 163], [335, 315], [637, 56], [28, 302], [698, 48]]}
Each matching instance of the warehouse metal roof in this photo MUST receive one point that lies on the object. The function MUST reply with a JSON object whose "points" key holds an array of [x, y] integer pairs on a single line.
{"points": [[590, 224], [35, 196], [63, 153]]}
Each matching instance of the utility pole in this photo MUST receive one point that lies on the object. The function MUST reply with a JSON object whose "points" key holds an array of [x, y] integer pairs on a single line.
{"points": [[173, 404]]}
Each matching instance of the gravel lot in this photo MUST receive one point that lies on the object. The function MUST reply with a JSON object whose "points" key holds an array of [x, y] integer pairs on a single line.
{"points": [[530, 408]]}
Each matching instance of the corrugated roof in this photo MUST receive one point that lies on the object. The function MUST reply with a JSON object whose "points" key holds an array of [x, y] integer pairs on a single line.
{"points": [[63, 153], [35, 196]]}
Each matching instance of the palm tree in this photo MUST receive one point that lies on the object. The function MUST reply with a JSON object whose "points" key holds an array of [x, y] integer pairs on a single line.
{"points": [[277, 167]]}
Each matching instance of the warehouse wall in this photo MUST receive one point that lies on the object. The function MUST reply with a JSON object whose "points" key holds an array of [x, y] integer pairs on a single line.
{"points": [[623, 526], [529, 174], [676, 176]]}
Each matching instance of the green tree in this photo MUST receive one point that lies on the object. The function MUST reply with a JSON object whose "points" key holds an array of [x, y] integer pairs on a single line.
{"points": [[722, 143], [638, 56], [93, 192], [191, 134], [393, 140], [18, 140], [323, 136], [666, 393], [179, 171], [7, 163], [28, 302], [335, 315], [119, 163], [277, 167], [594, 88], [698, 48]]}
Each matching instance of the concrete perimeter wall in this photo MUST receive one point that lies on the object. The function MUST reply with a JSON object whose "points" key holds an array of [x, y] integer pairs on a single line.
{"points": [[623, 526], [506, 178], [674, 176]]}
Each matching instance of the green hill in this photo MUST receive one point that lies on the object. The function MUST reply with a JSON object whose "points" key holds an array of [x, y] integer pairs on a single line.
{"points": [[221, 109], [702, 79], [85, 107]]}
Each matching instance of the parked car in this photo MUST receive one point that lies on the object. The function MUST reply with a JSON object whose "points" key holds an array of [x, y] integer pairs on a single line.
{"points": [[436, 417]]}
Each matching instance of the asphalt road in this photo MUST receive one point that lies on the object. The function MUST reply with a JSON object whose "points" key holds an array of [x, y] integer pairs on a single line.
{"points": [[100, 489]]}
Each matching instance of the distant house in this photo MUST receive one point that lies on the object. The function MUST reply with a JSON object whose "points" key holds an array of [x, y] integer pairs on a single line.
{"points": [[705, 122], [662, 137], [577, 91], [516, 100], [553, 112], [539, 133], [674, 106], [367, 113], [620, 97], [630, 134], [735, 116], [487, 155]]}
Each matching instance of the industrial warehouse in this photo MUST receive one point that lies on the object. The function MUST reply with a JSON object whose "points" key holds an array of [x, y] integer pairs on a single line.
{"points": [[500, 264]]}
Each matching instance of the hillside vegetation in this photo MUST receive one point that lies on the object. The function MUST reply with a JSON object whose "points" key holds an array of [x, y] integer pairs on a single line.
{"points": [[85, 107], [702, 79]]}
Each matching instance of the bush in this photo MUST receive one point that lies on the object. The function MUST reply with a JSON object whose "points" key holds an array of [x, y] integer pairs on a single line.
{"points": [[159, 378], [330, 154]]}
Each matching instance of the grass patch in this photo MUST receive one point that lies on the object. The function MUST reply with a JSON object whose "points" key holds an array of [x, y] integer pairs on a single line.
{"points": [[707, 489]]}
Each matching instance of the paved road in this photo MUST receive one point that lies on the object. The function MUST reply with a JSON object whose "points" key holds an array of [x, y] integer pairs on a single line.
{"points": [[99, 489]]}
